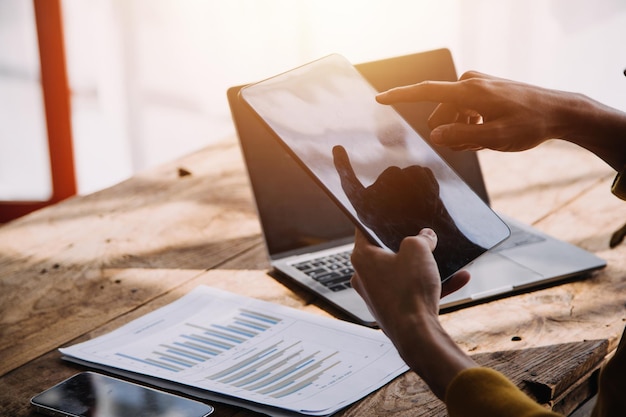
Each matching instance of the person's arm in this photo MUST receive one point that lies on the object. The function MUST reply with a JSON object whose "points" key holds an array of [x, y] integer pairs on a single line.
{"points": [[481, 111], [402, 291], [478, 112]]}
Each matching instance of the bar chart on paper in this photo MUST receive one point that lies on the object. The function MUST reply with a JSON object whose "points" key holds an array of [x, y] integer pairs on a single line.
{"points": [[277, 368], [199, 343], [251, 350]]}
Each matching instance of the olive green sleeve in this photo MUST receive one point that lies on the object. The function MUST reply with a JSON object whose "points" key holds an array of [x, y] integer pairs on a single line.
{"points": [[612, 387], [485, 392]]}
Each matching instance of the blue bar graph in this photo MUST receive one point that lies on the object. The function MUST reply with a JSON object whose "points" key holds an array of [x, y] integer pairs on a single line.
{"points": [[199, 343], [278, 370]]}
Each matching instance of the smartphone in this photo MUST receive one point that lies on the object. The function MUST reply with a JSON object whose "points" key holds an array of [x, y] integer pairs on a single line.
{"points": [[89, 394]]}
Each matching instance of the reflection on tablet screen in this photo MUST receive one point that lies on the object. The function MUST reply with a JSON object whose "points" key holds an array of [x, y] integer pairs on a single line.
{"points": [[388, 180]]}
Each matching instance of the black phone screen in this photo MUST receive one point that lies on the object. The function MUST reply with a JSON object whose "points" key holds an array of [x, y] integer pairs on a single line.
{"points": [[375, 166], [89, 394]]}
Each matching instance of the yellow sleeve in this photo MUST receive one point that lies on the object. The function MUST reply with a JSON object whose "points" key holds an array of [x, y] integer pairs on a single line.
{"points": [[612, 387], [484, 392]]}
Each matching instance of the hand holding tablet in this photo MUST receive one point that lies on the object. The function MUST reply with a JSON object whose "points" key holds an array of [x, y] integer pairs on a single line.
{"points": [[386, 178]]}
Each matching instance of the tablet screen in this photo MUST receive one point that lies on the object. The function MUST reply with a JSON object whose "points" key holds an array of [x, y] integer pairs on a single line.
{"points": [[386, 178]]}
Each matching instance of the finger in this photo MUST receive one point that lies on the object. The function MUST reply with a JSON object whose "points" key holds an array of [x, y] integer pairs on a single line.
{"points": [[349, 181], [365, 251], [460, 136], [429, 236], [355, 282], [358, 286], [360, 241], [476, 74], [455, 282], [437, 91]]}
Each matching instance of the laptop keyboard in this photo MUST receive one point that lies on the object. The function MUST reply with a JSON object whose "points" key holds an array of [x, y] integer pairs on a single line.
{"points": [[334, 271]]}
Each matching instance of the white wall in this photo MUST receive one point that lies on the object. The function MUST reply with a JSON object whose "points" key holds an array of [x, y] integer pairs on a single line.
{"points": [[24, 162], [575, 45], [149, 77]]}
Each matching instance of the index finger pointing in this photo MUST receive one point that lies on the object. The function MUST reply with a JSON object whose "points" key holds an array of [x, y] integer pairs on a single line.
{"points": [[437, 91]]}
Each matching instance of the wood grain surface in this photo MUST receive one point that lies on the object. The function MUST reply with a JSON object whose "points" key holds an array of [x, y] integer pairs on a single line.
{"points": [[89, 264]]}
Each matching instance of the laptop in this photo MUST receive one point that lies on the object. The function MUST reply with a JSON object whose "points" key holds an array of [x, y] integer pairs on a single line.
{"points": [[309, 239]]}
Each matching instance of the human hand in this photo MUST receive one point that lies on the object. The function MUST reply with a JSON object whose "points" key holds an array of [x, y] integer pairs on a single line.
{"points": [[402, 291], [482, 111], [401, 286]]}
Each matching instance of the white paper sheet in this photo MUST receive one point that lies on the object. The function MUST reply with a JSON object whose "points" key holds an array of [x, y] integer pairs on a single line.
{"points": [[252, 350]]}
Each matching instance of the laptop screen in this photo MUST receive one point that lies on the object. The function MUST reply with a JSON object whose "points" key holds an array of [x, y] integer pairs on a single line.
{"points": [[294, 211]]}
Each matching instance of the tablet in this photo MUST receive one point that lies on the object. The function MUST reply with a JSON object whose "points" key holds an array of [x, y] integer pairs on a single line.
{"points": [[376, 168]]}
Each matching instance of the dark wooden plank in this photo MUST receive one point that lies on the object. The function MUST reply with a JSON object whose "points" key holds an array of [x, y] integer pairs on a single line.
{"points": [[533, 370], [544, 374]]}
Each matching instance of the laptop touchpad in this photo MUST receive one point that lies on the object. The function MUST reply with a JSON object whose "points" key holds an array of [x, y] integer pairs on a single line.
{"points": [[492, 274]]}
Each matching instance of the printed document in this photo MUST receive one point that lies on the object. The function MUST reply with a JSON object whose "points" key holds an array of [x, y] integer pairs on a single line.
{"points": [[212, 341]]}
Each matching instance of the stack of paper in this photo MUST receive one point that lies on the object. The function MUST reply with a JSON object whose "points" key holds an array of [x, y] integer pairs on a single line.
{"points": [[251, 353]]}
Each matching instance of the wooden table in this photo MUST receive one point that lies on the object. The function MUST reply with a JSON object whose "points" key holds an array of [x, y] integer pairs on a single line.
{"points": [[87, 265]]}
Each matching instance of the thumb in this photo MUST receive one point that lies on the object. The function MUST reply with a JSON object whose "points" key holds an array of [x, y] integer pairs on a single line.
{"points": [[430, 236]]}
